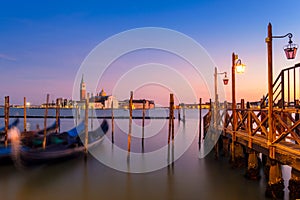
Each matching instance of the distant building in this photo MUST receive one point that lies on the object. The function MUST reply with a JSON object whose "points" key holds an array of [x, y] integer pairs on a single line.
{"points": [[104, 100], [137, 104], [82, 90], [99, 101], [60, 102]]}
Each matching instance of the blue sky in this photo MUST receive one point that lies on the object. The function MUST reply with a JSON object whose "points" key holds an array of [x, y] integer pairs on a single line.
{"points": [[43, 43]]}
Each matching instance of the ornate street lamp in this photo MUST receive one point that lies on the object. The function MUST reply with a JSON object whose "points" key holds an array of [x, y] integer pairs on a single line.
{"points": [[239, 67], [225, 79], [225, 82], [290, 52], [290, 49]]}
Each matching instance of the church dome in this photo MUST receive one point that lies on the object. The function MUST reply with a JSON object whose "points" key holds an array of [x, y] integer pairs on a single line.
{"points": [[103, 93]]}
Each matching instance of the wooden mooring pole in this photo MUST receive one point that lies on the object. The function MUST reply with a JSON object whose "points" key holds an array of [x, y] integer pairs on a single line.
{"points": [[112, 122], [171, 118], [76, 114], [6, 118], [130, 121], [143, 124], [179, 108], [45, 122], [25, 116], [92, 118], [183, 111], [57, 116], [200, 122], [86, 125]]}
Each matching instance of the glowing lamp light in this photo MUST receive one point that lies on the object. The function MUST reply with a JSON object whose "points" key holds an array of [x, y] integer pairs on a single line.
{"points": [[240, 68]]}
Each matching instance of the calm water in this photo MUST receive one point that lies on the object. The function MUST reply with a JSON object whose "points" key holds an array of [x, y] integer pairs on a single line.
{"points": [[188, 178]]}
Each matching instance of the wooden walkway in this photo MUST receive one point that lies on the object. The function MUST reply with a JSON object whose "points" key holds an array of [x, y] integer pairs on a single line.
{"points": [[252, 131]]}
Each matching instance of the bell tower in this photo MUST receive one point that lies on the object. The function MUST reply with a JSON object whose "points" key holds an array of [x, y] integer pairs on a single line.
{"points": [[82, 89]]}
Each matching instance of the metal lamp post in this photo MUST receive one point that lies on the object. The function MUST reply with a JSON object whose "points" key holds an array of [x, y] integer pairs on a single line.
{"points": [[290, 52], [225, 81], [239, 68], [215, 110]]}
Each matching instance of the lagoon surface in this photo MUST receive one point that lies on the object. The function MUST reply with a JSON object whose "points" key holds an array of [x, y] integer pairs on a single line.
{"points": [[188, 177]]}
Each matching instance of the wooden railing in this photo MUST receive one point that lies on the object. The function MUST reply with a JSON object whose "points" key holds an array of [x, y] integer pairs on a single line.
{"points": [[286, 87], [253, 123]]}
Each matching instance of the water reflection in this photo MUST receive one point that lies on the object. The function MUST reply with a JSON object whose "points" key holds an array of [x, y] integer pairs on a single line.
{"points": [[184, 177], [14, 136], [171, 158]]}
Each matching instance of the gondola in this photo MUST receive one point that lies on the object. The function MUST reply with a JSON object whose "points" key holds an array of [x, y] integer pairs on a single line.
{"points": [[63, 146], [27, 139], [34, 137]]}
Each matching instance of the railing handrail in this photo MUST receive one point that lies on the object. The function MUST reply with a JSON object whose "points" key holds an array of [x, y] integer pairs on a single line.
{"points": [[278, 81]]}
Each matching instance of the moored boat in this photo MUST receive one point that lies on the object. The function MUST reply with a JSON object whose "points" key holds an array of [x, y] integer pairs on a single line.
{"points": [[63, 145]]}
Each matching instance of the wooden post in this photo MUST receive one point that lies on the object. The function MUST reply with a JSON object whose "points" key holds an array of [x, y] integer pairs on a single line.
{"points": [[253, 167], [25, 116], [171, 118], [112, 122], [275, 186], [45, 123], [130, 121], [169, 130], [92, 118], [234, 119], [242, 103], [200, 122], [183, 111], [297, 118], [271, 136], [57, 115], [86, 125], [179, 118], [242, 111], [249, 128], [248, 105], [143, 124], [6, 118], [294, 184], [76, 115], [130, 105]]}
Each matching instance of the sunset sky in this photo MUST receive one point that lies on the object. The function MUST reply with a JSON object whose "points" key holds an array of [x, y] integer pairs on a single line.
{"points": [[43, 43]]}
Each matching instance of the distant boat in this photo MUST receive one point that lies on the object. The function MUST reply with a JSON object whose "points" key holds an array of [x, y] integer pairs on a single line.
{"points": [[63, 145]]}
